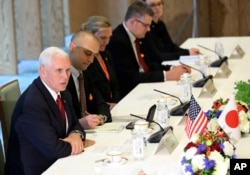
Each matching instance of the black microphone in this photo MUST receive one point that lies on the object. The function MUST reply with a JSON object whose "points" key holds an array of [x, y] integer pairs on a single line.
{"points": [[201, 82], [178, 110], [155, 137], [216, 63]]}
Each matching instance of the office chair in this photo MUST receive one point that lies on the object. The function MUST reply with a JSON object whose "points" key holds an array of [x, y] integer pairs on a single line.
{"points": [[2, 161], [9, 93]]}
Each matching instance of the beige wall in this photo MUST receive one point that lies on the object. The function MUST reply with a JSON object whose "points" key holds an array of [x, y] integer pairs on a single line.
{"points": [[28, 28], [8, 57], [80, 10], [113, 9], [52, 19], [40, 23], [215, 17]]}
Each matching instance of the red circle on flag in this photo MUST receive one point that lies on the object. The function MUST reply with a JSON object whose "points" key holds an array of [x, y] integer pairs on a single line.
{"points": [[232, 119]]}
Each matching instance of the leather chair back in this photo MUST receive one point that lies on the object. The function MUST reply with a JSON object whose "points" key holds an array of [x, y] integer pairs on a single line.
{"points": [[2, 160], [9, 94]]}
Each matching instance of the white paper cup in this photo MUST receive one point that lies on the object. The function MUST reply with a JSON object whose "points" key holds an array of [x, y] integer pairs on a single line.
{"points": [[141, 125], [114, 156]]}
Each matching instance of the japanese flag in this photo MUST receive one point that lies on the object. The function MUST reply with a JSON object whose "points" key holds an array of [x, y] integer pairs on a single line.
{"points": [[229, 120]]}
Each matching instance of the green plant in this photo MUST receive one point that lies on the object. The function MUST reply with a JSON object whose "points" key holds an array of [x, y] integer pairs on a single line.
{"points": [[243, 91]]}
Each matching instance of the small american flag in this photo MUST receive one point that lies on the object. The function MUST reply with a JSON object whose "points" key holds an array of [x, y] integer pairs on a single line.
{"points": [[196, 120]]}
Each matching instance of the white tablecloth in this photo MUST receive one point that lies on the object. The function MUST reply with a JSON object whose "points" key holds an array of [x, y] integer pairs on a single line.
{"points": [[138, 102]]}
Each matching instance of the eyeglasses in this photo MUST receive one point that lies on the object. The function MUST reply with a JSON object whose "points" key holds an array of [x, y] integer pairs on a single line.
{"points": [[153, 5], [144, 24], [87, 52]]}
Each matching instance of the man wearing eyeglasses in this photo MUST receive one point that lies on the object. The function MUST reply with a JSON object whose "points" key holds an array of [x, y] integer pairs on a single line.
{"points": [[90, 107], [132, 64], [158, 41]]}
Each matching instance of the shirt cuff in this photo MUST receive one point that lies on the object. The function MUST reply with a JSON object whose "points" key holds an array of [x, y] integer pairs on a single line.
{"points": [[84, 123], [164, 75], [82, 134]]}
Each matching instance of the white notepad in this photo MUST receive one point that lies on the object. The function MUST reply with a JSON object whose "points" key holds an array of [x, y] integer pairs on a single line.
{"points": [[107, 127]]}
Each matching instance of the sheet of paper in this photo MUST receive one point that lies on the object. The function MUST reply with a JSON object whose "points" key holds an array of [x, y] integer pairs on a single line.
{"points": [[189, 58], [107, 127]]}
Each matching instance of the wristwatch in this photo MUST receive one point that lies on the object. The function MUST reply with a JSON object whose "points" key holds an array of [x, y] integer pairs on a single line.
{"points": [[82, 135], [103, 119]]}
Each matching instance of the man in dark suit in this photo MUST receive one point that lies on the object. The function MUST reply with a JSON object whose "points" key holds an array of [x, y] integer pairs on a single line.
{"points": [[129, 68], [41, 131], [158, 42], [83, 47]]}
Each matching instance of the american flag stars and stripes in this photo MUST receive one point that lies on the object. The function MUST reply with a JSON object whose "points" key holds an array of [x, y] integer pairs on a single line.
{"points": [[196, 120]]}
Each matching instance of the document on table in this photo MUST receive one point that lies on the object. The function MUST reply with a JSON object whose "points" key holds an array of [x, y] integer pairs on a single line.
{"points": [[189, 58], [107, 127], [126, 148]]}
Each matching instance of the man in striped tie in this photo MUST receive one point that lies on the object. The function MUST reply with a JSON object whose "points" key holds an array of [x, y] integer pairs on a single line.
{"points": [[91, 109]]}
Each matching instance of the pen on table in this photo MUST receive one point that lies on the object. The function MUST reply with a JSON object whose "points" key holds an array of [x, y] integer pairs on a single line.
{"points": [[87, 113], [138, 117], [101, 120], [100, 160]]}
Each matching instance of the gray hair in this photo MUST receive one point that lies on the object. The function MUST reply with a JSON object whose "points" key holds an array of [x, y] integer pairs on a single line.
{"points": [[95, 23], [138, 9], [47, 54]]}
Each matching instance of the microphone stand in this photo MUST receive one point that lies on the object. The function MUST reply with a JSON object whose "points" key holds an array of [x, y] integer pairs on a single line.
{"points": [[201, 82], [155, 137], [216, 63], [178, 110], [148, 121]]}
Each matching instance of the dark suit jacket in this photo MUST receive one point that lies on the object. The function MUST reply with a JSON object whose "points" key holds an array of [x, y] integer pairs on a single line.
{"points": [[36, 129], [126, 66], [159, 44], [94, 101], [105, 87]]}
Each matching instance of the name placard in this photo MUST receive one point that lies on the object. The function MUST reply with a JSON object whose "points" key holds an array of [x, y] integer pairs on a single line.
{"points": [[223, 71], [208, 89], [168, 143], [238, 52]]}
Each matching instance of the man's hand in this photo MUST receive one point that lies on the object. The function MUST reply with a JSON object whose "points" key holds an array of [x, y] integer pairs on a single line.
{"points": [[90, 121], [176, 72], [75, 140], [111, 105], [194, 51]]}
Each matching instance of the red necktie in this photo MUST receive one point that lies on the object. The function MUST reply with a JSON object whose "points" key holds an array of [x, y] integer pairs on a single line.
{"points": [[140, 56], [61, 109], [82, 94]]}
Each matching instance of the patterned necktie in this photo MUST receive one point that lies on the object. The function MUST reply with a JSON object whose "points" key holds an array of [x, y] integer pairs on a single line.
{"points": [[140, 56], [61, 109], [82, 94]]}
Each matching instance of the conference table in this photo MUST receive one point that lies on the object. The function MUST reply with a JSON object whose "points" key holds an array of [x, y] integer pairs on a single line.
{"points": [[158, 160]]}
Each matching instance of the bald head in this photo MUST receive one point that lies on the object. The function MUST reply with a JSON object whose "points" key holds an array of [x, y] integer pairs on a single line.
{"points": [[85, 39], [83, 47]]}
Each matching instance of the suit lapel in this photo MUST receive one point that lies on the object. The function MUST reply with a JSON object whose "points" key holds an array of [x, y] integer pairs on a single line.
{"points": [[51, 103], [106, 61], [98, 66], [67, 108]]}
